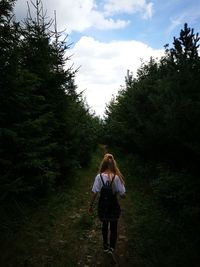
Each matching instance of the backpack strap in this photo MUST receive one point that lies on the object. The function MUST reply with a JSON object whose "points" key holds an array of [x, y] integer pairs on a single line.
{"points": [[103, 180], [112, 179]]}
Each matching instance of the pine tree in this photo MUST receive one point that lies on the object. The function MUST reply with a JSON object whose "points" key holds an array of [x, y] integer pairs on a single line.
{"points": [[40, 141], [161, 105], [10, 97], [184, 54]]}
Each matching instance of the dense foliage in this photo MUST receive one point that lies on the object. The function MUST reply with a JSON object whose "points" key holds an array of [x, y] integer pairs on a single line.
{"points": [[46, 129], [156, 117], [158, 110]]}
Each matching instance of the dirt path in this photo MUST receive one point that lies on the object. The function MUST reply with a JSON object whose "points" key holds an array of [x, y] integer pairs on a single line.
{"points": [[90, 247], [62, 233], [121, 254]]}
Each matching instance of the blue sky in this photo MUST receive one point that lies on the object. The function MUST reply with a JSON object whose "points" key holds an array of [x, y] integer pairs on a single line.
{"points": [[111, 36], [166, 21]]}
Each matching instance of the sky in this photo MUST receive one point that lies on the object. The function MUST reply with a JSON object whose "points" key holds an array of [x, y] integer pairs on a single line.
{"points": [[109, 37]]}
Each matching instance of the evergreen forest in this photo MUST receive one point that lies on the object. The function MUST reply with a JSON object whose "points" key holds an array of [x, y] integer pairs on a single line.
{"points": [[49, 139]]}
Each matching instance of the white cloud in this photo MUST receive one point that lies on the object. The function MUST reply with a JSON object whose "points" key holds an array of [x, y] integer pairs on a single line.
{"points": [[100, 22], [77, 15], [148, 11], [175, 22], [129, 7], [104, 67], [190, 16]]}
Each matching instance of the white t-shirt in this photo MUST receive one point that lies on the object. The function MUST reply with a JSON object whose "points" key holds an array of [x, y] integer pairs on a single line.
{"points": [[118, 186]]}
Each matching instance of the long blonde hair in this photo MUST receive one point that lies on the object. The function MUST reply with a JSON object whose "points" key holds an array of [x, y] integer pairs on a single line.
{"points": [[109, 163]]}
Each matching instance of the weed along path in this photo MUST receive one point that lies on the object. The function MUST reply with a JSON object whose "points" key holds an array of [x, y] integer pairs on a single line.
{"points": [[62, 233]]}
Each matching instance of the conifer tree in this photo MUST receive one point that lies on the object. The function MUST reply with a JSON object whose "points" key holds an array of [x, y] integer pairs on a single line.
{"points": [[10, 98], [40, 141], [160, 106]]}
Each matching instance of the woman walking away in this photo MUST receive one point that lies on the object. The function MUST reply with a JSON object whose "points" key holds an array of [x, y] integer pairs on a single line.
{"points": [[109, 183]]}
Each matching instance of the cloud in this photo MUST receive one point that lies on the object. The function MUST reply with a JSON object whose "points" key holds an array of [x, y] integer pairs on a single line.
{"points": [[175, 22], [129, 7], [80, 15], [148, 11], [190, 16], [104, 67], [102, 23], [77, 15]]}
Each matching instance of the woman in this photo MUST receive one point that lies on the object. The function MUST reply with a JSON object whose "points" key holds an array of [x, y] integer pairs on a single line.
{"points": [[109, 213]]}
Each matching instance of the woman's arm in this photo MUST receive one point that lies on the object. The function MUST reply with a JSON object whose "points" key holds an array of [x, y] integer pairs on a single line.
{"points": [[93, 197]]}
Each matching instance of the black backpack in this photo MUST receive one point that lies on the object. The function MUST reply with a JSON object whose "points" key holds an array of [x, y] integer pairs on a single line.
{"points": [[108, 206], [106, 195]]}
